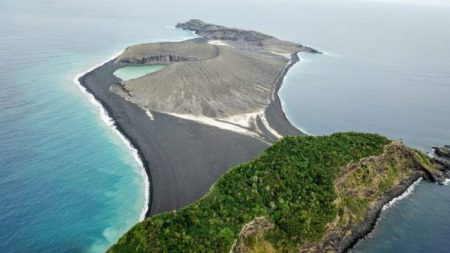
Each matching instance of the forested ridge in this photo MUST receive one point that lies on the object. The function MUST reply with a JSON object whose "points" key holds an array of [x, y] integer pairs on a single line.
{"points": [[291, 184]]}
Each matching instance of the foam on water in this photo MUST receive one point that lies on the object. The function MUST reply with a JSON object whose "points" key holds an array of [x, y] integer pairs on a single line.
{"points": [[404, 195], [331, 54], [104, 115]]}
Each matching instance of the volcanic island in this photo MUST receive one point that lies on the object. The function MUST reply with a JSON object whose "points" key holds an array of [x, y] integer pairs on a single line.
{"points": [[213, 106]]}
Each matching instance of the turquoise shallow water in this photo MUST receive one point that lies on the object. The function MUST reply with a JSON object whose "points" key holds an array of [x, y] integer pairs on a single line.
{"points": [[136, 71], [62, 168], [69, 184]]}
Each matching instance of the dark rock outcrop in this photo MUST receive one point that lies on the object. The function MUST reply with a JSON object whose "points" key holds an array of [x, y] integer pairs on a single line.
{"points": [[442, 151], [242, 37], [442, 159], [158, 59], [168, 52], [217, 32]]}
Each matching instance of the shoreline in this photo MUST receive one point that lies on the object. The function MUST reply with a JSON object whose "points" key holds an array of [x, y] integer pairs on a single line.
{"points": [[402, 191], [275, 107], [408, 192], [283, 105], [110, 122]]}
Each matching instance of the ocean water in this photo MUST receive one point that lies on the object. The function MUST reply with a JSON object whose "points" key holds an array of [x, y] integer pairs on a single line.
{"points": [[418, 223], [136, 71], [69, 183]]}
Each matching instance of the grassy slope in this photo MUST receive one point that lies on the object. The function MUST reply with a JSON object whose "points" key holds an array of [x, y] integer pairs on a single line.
{"points": [[291, 183]]}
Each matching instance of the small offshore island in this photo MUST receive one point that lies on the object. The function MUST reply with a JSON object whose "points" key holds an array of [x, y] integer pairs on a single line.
{"points": [[214, 106]]}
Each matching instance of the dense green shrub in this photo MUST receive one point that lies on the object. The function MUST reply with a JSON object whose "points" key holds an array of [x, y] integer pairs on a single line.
{"points": [[291, 183]]}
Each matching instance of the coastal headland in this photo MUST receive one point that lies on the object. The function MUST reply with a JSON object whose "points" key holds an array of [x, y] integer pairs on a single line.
{"points": [[214, 106], [303, 194]]}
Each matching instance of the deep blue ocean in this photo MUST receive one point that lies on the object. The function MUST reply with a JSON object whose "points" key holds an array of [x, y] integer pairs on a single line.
{"points": [[69, 183]]}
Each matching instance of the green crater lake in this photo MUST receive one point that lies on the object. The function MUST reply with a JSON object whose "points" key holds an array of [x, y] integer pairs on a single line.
{"points": [[135, 71]]}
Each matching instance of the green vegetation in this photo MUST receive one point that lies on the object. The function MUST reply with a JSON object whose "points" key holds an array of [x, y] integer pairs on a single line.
{"points": [[360, 185], [291, 183]]}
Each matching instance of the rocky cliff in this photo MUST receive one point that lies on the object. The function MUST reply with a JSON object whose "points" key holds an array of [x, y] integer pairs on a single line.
{"points": [[241, 37]]}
